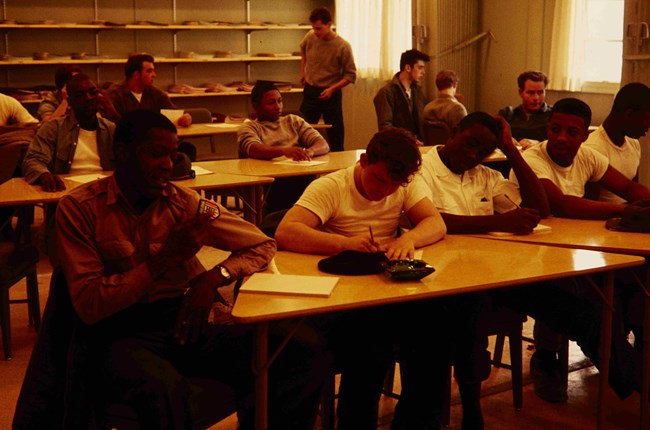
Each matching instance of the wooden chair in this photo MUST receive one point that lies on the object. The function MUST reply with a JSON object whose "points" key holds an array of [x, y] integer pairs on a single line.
{"points": [[18, 258], [202, 116], [56, 392]]}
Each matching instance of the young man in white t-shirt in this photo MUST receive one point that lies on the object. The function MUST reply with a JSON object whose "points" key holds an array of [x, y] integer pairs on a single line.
{"points": [[564, 167], [618, 137], [333, 215]]}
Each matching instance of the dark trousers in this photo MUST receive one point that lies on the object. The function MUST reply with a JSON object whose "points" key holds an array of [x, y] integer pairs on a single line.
{"points": [[312, 108], [285, 192], [435, 335], [146, 366], [569, 311], [423, 335]]}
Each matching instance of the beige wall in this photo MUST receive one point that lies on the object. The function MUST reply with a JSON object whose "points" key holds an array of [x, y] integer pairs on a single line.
{"points": [[522, 42]]}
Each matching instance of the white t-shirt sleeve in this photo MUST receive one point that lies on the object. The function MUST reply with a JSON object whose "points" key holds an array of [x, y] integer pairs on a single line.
{"points": [[321, 197], [416, 191], [598, 162]]}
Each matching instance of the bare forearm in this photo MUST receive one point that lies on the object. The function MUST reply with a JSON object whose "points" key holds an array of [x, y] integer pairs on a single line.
{"points": [[426, 232], [636, 192], [319, 148], [264, 152], [465, 224], [340, 84], [532, 191], [295, 236], [580, 208]]}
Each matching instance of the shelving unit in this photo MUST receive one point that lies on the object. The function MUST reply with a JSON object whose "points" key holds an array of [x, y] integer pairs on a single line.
{"points": [[108, 31]]}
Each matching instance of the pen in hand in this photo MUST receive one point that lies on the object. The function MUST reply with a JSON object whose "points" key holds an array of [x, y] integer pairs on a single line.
{"points": [[511, 201], [372, 237]]}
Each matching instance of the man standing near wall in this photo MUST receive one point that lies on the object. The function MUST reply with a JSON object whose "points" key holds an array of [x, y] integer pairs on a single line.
{"points": [[400, 102], [530, 118], [326, 66]]}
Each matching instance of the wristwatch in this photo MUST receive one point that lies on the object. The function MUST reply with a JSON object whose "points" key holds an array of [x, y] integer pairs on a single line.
{"points": [[225, 273]]}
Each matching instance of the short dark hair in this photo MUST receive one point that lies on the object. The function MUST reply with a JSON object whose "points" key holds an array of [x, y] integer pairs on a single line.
{"points": [[531, 75], [74, 80], [261, 88], [397, 148], [571, 106], [134, 63], [635, 96], [321, 14], [484, 119], [134, 127], [411, 57], [446, 79], [62, 75]]}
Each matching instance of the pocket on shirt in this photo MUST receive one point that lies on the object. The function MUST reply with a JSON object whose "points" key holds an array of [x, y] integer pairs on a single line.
{"points": [[117, 255]]}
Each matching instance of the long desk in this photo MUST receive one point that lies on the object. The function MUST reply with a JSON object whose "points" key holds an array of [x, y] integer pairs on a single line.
{"points": [[213, 129], [249, 166], [494, 264], [592, 235], [17, 192]]}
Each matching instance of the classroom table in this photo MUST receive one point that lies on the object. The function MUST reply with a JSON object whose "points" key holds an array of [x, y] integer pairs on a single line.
{"points": [[214, 129], [593, 235], [463, 264], [17, 192], [282, 168]]}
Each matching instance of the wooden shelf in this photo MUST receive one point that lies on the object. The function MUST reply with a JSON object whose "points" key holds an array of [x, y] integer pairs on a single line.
{"points": [[637, 57], [26, 61], [174, 27], [194, 95], [226, 94]]}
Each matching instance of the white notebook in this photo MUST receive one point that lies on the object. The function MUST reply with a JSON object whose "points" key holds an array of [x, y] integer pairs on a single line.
{"points": [[271, 283]]}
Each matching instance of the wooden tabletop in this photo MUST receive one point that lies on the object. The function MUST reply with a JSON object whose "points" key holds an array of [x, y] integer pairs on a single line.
{"points": [[17, 191], [250, 166], [463, 264], [585, 234], [212, 129]]}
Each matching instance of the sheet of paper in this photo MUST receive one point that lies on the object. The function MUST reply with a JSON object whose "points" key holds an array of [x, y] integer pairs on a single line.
{"points": [[270, 283], [200, 170], [541, 228], [83, 179], [172, 114], [300, 163], [222, 125]]}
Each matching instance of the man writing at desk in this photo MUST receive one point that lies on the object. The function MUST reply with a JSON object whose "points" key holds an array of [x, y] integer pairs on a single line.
{"points": [[128, 252], [472, 198], [334, 215], [272, 135]]}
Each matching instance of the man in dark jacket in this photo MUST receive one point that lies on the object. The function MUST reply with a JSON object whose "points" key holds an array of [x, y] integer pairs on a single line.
{"points": [[400, 102]]}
